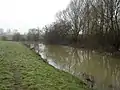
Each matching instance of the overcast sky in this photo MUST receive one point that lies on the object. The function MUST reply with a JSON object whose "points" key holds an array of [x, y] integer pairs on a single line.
{"points": [[25, 14]]}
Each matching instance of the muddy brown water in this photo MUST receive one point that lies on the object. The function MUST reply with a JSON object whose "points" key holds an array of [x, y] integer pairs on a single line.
{"points": [[104, 68]]}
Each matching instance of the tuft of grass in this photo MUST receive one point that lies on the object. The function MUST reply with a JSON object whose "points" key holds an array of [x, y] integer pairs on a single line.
{"points": [[22, 69]]}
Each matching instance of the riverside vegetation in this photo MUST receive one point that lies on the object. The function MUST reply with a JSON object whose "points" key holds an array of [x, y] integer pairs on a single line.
{"points": [[22, 69]]}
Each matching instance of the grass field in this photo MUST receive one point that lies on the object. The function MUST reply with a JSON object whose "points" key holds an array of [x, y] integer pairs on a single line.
{"points": [[22, 69]]}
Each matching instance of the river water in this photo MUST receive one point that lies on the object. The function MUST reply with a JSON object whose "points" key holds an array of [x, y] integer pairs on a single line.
{"points": [[104, 68]]}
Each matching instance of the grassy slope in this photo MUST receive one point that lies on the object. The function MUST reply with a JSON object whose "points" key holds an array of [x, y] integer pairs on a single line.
{"points": [[22, 69]]}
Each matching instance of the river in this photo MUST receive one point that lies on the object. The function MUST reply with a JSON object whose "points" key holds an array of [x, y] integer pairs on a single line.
{"points": [[104, 68]]}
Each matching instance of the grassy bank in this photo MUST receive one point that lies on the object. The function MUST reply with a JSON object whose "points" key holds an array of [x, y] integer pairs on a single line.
{"points": [[22, 69]]}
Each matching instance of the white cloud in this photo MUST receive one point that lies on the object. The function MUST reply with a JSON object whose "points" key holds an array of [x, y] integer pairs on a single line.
{"points": [[25, 14]]}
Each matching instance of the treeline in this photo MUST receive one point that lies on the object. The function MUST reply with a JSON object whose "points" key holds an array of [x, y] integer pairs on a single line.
{"points": [[11, 35], [33, 35], [88, 23]]}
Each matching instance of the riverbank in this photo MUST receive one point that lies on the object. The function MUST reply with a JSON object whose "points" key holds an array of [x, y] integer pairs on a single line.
{"points": [[22, 69]]}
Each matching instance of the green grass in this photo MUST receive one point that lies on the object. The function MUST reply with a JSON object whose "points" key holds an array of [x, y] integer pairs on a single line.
{"points": [[22, 69]]}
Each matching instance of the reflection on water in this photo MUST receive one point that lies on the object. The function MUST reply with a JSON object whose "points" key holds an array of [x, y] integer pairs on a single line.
{"points": [[106, 70]]}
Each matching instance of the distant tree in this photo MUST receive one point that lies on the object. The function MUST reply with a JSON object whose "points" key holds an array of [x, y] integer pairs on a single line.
{"points": [[33, 34], [16, 36], [4, 38], [1, 31], [57, 32], [8, 32]]}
